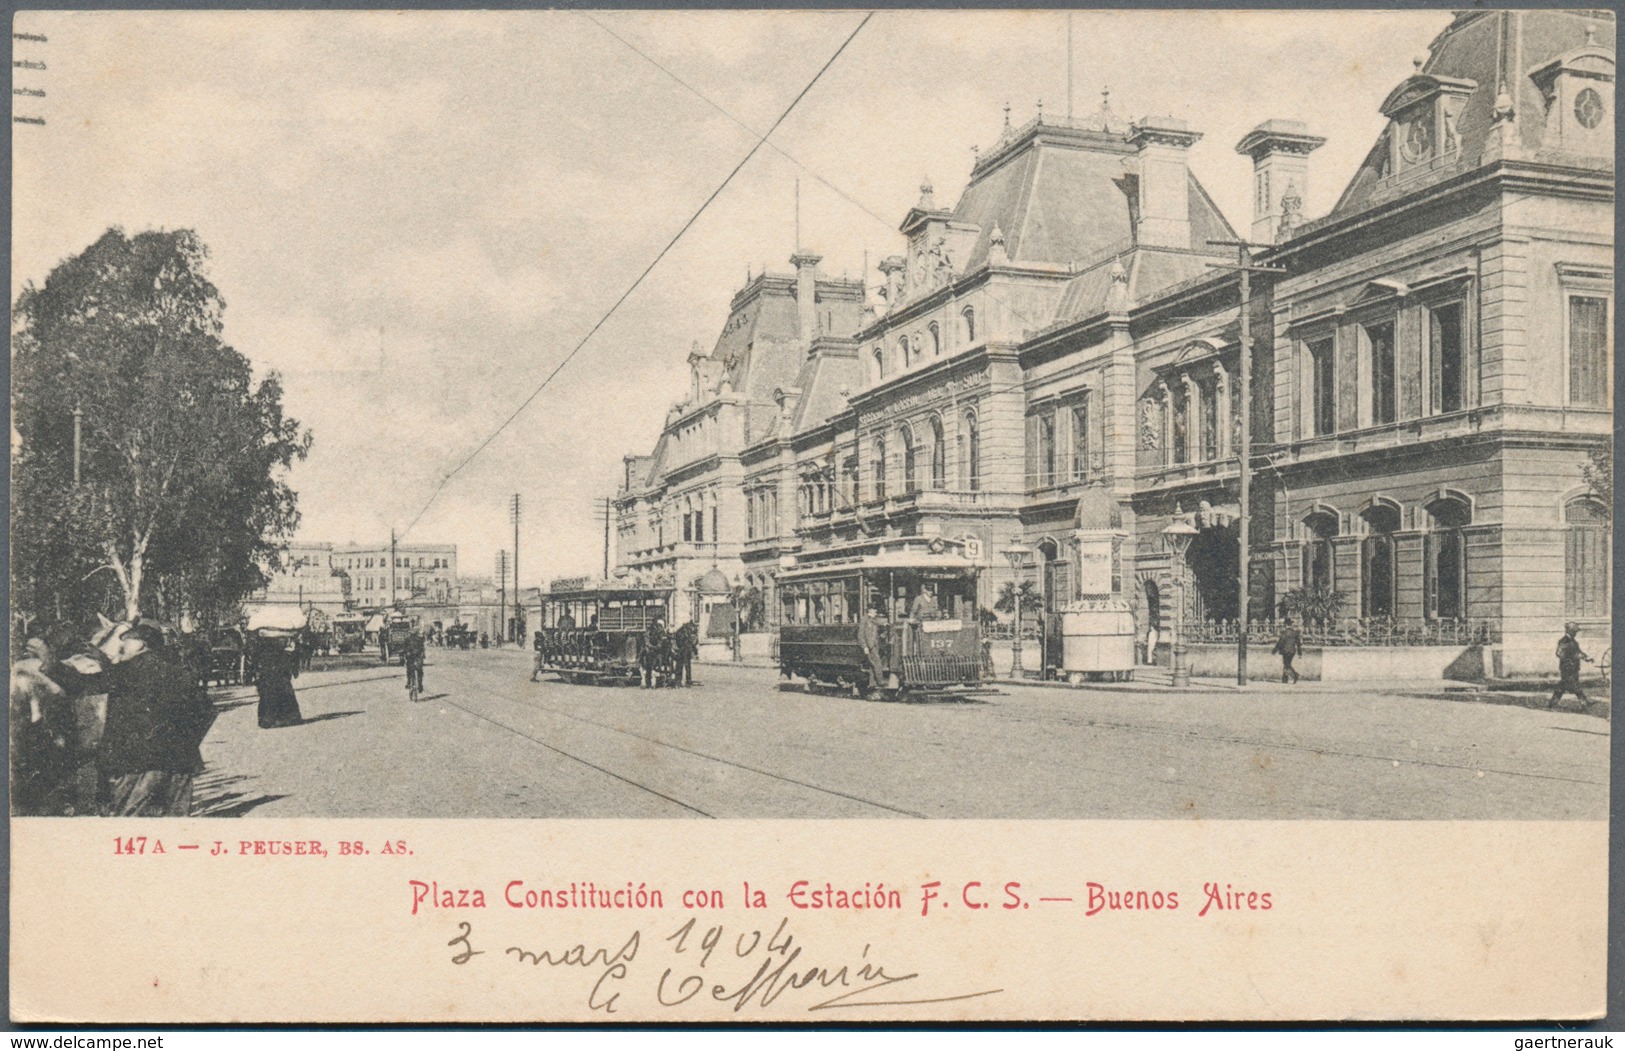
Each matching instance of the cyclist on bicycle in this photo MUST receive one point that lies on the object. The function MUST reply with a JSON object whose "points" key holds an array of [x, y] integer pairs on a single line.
{"points": [[412, 652]]}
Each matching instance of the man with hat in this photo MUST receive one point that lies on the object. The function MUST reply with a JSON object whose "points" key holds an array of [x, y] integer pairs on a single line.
{"points": [[157, 716], [1569, 656]]}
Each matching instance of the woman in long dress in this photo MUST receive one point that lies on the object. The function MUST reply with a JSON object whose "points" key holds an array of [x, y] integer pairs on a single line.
{"points": [[275, 668]]}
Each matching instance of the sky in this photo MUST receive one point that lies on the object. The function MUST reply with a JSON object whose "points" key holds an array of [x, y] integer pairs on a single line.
{"points": [[414, 217]]}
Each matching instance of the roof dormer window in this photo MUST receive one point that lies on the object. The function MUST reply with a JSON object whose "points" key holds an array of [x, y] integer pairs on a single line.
{"points": [[1424, 110], [1578, 89]]}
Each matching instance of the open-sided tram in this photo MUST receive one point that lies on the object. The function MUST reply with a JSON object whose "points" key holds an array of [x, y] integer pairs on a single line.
{"points": [[597, 634], [894, 618]]}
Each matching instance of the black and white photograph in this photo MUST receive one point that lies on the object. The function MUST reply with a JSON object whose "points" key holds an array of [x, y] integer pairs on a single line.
{"points": [[1185, 418]]}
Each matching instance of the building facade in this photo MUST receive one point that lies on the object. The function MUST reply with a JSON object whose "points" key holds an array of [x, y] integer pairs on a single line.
{"points": [[425, 574], [1059, 356], [307, 580]]}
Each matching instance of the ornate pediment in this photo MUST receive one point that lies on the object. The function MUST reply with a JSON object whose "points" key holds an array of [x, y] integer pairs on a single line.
{"points": [[1421, 88]]}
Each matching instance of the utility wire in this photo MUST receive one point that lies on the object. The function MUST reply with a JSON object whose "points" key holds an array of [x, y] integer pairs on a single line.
{"points": [[853, 201], [859, 205], [638, 281]]}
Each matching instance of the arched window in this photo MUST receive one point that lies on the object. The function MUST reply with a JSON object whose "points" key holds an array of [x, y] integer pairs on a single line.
{"points": [[1444, 581], [908, 461], [970, 472], [1319, 562], [968, 316], [935, 339], [879, 471], [1379, 580], [939, 456], [1586, 565], [880, 364], [903, 357]]}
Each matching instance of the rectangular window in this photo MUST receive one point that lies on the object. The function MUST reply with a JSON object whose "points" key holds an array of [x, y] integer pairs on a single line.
{"points": [[1381, 339], [699, 527], [1447, 365], [688, 526], [1080, 441], [1586, 571], [1588, 350], [1046, 449], [1323, 387]]}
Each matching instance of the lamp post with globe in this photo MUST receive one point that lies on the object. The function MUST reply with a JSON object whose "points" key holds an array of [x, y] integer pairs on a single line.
{"points": [[1178, 536], [1020, 557]]}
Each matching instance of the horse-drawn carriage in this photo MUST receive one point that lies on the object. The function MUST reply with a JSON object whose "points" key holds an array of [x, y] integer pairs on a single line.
{"points": [[227, 662], [395, 632], [459, 637], [598, 635], [891, 618]]}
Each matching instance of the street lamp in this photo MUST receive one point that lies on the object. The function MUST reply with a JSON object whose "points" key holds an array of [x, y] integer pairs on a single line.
{"points": [[1020, 556], [1178, 537]]}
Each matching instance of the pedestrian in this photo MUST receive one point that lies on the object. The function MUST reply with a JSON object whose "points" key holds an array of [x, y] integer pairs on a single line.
{"points": [[279, 705], [1288, 644], [1569, 656], [870, 634], [1151, 638], [654, 645], [412, 656], [538, 644], [157, 716], [687, 646]]}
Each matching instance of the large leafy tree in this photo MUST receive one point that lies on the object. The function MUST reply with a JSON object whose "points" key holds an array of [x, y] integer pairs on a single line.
{"points": [[182, 503], [1599, 474]]}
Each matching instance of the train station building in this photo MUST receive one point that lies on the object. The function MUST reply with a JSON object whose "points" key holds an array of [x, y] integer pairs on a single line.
{"points": [[1055, 360]]}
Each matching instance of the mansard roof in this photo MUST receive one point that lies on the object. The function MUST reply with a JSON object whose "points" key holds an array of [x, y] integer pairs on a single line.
{"points": [[1149, 272], [1057, 192], [1473, 58]]}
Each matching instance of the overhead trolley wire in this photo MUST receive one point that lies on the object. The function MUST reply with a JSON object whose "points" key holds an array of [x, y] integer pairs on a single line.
{"points": [[638, 281]]}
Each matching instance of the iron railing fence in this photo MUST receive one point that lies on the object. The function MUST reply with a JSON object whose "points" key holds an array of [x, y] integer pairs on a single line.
{"points": [[1357, 631]]}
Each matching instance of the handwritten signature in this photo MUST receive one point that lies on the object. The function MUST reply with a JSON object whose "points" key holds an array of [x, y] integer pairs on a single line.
{"points": [[776, 966]]}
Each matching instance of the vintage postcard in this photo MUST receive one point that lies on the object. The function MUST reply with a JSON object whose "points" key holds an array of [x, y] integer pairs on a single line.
{"points": [[810, 517]]}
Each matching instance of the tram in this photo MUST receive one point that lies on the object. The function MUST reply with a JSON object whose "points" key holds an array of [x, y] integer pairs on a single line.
{"points": [[894, 618], [596, 635]]}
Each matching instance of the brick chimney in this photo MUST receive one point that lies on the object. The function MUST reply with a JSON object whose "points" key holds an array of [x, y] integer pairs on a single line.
{"points": [[1280, 151], [806, 265], [1161, 161]]}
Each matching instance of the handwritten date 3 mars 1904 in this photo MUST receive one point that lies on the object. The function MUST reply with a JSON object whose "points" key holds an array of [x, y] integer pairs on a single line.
{"points": [[747, 967]]}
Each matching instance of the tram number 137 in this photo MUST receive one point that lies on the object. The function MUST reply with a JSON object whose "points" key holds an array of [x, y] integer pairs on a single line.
{"points": [[942, 644]]}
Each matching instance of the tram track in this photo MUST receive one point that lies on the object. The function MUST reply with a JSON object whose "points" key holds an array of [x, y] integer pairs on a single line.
{"points": [[1104, 773], [532, 705], [1282, 745]]}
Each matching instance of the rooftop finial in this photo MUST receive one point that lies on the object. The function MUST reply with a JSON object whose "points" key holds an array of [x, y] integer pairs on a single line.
{"points": [[1040, 111], [1007, 116], [1591, 34], [927, 201], [1419, 61]]}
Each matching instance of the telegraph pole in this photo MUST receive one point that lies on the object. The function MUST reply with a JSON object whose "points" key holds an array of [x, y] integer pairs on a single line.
{"points": [[1245, 268], [392, 562], [502, 593], [518, 600], [606, 537]]}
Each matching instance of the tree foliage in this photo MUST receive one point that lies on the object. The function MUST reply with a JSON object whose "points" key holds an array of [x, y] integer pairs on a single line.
{"points": [[182, 502], [1314, 605], [1031, 600], [1599, 474]]}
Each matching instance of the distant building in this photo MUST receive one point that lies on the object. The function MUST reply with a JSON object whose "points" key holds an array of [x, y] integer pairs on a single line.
{"points": [[425, 574], [307, 580]]}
